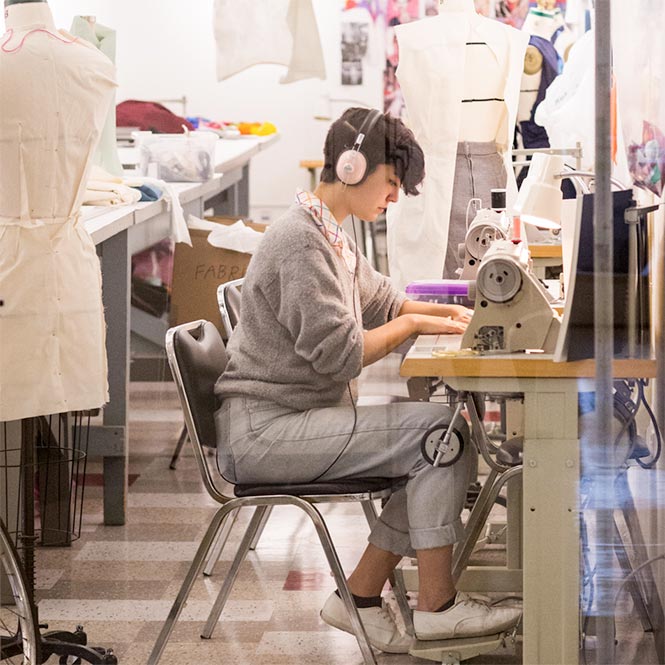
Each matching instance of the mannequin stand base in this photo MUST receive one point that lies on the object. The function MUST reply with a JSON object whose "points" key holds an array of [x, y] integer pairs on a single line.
{"points": [[72, 648]]}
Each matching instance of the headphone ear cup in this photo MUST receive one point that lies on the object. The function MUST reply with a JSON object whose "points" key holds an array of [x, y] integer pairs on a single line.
{"points": [[351, 167]]}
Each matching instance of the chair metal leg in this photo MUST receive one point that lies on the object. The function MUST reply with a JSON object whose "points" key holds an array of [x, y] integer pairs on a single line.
{"points": [[220, 541], [632, 585], [479, 515], [188, 583], [259, 529], [178, 447], [651, 593], [370, 512], [231, 576], [474, 525], [340, 579], [396, 579]]}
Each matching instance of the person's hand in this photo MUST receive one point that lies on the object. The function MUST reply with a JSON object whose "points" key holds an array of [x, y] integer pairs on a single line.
{"points": [[460, 313], [437, 325]]}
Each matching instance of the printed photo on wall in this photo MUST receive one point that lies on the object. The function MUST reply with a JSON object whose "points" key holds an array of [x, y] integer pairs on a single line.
{"points": [[397, 12], [355, 37], [511, 12]]}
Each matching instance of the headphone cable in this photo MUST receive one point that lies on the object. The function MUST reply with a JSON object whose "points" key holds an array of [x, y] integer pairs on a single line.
{"points": [[348, 385]]}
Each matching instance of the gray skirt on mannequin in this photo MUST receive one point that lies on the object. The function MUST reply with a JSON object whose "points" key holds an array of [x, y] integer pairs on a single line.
{"points": [[478, 169]]}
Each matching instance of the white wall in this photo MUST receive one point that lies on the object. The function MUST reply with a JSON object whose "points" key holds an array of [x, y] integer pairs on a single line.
{"points": [[166, 49]]}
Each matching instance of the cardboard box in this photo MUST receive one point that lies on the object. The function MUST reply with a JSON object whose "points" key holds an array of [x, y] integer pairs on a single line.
{"points": [[198, 271]]}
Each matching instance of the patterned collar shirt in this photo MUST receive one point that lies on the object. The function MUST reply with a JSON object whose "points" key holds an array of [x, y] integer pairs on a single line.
{"points": [[327, 224]]}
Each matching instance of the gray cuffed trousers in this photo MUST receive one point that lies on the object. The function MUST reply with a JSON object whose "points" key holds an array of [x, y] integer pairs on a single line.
{"points": [[262, 442]]}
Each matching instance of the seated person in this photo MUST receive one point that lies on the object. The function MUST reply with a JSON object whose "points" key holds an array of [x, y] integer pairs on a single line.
{"points": [[314, 313]]}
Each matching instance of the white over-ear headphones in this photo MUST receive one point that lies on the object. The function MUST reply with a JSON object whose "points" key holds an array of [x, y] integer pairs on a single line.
{"points": [[351, 165]]}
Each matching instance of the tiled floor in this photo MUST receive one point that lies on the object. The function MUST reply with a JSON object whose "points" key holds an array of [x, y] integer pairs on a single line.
{"points": [[119, 582]]}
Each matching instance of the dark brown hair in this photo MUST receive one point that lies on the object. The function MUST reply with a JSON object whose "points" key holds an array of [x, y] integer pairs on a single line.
{"points": [[388, 141]]}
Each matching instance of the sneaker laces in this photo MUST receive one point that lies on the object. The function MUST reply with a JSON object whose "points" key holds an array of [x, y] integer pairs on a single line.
{"points": [[385, 614], [474, 603]]}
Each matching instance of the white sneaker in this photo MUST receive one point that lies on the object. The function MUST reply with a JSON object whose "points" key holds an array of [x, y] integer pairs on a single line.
{"points": [[382, 632], [468, 617]]}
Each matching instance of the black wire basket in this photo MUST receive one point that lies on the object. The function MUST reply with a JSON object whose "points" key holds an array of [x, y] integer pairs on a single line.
{"points": [[51, 470]]}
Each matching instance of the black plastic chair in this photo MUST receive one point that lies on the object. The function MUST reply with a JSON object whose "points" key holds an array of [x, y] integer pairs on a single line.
{"points": [[197, 357], [228, 300]]}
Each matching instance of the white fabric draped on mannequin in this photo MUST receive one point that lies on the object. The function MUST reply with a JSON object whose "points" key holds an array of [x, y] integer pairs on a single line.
{"points": [[55, 97], [433, 56]]}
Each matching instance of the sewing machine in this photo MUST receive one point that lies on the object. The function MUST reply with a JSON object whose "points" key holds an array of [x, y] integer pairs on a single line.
{"points": [[512, 311], [488, 225]]}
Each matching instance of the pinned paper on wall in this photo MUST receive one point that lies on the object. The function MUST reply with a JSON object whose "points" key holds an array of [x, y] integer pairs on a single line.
{"points": [[513, 12], [397, 12], [374, 8], [639, 61], [354, 42]]}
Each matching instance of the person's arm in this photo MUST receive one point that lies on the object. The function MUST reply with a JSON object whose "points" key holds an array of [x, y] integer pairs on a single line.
{"points": [[455, 312], [379, 342]]}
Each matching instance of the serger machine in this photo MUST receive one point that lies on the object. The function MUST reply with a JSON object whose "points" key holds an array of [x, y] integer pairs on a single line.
{"points": [[512, 311]]}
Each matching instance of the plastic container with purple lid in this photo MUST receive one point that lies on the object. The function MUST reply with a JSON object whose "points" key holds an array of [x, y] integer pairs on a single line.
{"points": [[445, 291]]}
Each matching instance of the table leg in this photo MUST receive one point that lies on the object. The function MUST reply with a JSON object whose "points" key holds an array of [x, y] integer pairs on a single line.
{"points": [[116, 292], [551, 523], [233, 201], [242, 193]]}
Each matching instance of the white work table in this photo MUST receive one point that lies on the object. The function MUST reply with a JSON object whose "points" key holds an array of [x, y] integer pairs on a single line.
{"points": [[550, 477], [119, 232]]}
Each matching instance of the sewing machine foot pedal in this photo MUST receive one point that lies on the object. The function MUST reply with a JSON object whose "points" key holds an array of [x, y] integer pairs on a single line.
{"points": [[453, 652]]}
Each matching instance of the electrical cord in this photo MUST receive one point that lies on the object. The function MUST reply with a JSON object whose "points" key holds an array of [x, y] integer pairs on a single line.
{"points": [[634, 409], [348, 385], [641, 383]]}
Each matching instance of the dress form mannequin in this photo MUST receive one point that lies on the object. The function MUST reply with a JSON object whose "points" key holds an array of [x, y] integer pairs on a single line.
{"points": [[460, 74], [483, 80], [548, 47], [547, 21], [52, 354], [544, 24]]}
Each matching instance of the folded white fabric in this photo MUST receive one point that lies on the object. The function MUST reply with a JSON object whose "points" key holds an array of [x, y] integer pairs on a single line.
{"points": [[104, 189]]}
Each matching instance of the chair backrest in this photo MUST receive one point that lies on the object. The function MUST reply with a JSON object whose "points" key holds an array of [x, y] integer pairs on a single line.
{"points": [[228, 300], [197, 358]]}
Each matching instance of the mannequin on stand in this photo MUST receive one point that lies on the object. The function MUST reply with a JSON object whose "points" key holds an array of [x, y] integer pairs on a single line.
{"points": [[549, 43], [541, 24], [460, 75], [52, 356], [52, 329]]}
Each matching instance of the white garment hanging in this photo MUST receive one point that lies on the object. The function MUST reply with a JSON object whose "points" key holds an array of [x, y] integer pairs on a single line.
{"points": [[568, 110], [55, 97], [282, 32], [431, 72]]}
